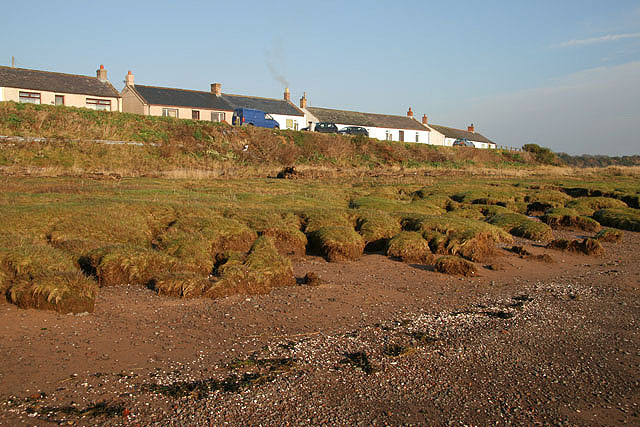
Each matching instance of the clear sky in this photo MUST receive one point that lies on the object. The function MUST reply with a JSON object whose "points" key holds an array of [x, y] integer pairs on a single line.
{"points": [[563, 74]]}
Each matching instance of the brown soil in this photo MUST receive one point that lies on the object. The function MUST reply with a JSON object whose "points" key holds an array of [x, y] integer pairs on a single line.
{"points": [[378, 342]]}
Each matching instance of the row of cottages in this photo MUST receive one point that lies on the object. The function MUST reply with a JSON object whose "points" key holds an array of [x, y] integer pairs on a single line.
{"points": [[199, 105], [45, 87], [395, 128]]}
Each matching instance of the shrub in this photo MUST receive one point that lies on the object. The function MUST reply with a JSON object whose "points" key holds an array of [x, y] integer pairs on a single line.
{"points": [[449, 264], [409, 246], [623, 218]]}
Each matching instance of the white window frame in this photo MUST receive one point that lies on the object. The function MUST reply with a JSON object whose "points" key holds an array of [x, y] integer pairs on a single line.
{"points": [[388, 135], [55, 98], [30, 97], [98, 104], [218, 116], [166, 112]]}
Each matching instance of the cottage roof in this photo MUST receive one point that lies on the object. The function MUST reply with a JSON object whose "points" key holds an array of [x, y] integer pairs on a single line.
{"points": [[268, 105], [22, 78], [181, 98], [366, 119], [459, 134]]}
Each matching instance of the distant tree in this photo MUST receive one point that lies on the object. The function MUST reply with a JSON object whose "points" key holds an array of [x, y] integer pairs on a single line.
{"points": [[542, 154]]}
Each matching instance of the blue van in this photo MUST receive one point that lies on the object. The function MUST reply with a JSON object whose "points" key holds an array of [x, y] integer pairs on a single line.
{"points": [[247, 116]]}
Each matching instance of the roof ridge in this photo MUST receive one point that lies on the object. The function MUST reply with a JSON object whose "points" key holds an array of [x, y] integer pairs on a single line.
{"points": [[362, 112], [50, 72], [175, 88], [257, 97]]}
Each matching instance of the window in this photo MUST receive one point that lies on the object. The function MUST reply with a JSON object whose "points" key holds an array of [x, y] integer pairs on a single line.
{"points": [[388, 136], [401, 136], [99, 104], [59, 100], [195, 115], [217, 117], [289, 123], [169, 112], [30, 97], [417, 137]]}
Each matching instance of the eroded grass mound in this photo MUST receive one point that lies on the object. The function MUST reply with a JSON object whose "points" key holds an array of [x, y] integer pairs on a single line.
{"points": [[331, 234], [623, 218], [609, 235], [376, 228], [521, 226], [182, 284], [569, 218], [588, 205], [449, 264], [469, 238], [126, 264], [586, 246], [409, 246], [39, 276], [257, 273]]}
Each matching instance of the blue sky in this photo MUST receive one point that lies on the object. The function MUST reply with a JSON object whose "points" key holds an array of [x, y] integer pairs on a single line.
{"points": [[563, 74]]}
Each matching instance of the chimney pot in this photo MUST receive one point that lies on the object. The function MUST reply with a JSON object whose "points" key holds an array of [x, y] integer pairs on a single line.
{"points": [[410, 113], [216, 89], [287, 94], [101, 73], [471, 128], [128, 80], [303, 100], [424, 119]]}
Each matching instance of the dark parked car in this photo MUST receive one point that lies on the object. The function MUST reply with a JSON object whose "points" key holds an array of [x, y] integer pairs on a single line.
{"points": [[326, 127], [463, 142], [354, 130]]}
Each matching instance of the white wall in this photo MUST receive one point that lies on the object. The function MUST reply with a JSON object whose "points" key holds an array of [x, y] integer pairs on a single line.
{"points": [[48, 98], [381, 134], [282, 121]]}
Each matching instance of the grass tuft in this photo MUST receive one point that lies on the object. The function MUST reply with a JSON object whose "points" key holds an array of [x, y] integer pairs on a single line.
{"points": [[409, 246], [622, 218], [450, 264]]}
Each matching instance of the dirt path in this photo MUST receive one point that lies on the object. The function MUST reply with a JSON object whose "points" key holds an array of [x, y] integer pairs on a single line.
{"points": [[378, 342]]}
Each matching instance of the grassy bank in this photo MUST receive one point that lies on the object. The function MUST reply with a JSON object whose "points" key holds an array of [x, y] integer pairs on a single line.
{"points": [[63, 238], [172, 145]]}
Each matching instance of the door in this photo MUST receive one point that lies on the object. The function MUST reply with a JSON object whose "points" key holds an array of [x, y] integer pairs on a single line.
{"points": [[401, 136]]}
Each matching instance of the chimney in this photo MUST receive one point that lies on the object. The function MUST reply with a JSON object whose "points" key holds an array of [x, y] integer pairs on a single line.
{"points": [[303, 101], [471, 128], [287, 94], [424, 119], [410, 113], [216, 89], [128, 80], [102, 73]]}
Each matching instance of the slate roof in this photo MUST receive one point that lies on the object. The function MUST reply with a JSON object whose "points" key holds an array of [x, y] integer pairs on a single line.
{"points": [[22, 78], [181, 98], [366, 119], [268, 105], [459, 133]]}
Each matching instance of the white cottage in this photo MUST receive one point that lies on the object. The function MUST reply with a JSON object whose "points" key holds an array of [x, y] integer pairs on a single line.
{"points": [[381, 126], [46, 87], [443, 135], [283, 110]]}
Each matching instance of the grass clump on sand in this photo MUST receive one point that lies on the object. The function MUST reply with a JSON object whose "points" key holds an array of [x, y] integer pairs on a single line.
{"points": [[333, 236], [569, 218], [542, 201], [260, 271], [588, 205], [450, 264], [469, 238], [282, 227], [182, 284], [196, 240], [391, 205], [586, 246], [376, 228], [521, 226], [409, 246], [609, 235], [622, 218], [39, 276], [126, 264]]}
